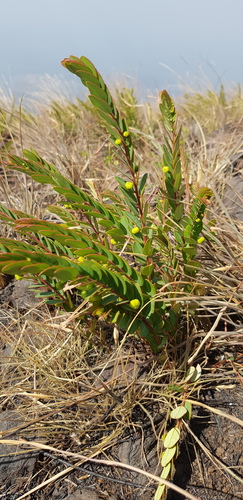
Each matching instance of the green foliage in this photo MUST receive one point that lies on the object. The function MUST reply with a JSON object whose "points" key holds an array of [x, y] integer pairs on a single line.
{"points": [[128, 255], [171, 439]]}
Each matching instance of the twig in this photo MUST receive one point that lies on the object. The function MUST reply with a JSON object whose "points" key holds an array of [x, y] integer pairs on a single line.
{"points": [[110, 463]]}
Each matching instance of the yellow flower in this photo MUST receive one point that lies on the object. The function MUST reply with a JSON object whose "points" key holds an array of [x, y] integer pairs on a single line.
{"points": [[80, 259], [201, 240], [134, 304], [17, 277], [135, 230], [129, 185], [113, 242], [198, 220], [118, 142], [126, 133], [165, 169]]}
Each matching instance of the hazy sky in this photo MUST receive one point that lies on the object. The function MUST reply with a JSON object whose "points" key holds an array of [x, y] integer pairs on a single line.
{"points": [[126, 37]]}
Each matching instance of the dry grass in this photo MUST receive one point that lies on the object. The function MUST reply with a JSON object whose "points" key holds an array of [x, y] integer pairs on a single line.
{"points": [[82, 390]]}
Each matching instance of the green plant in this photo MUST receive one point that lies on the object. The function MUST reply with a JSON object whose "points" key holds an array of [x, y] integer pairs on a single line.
{"points": [[130, 254], [183, 410]]}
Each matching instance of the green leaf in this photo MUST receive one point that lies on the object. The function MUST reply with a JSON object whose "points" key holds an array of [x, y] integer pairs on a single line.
{"points": [[147, 249], [101, 105], [175, 388], [190, 372], [89, 64], [41, 178], [13, 267], [34, 268], [172, 438], [95, 90], [170, 187], [190, 251], [168, 455], [66, 274], [142, 183], [117, 232], [108, 119], [166, 470], [178, 412], [179, 212], [55, 302], [43, 295], [147, 270], [86, 77], [110, 299], [178, 237], [188, 407], [177, 182], [197, 373], [159, 492]]}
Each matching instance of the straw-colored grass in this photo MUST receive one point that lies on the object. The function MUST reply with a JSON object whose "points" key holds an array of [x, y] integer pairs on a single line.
{"points": [[83, 391]]}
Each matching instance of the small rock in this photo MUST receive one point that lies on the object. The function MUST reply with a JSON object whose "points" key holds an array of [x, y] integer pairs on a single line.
{"points": [[23, 297]]}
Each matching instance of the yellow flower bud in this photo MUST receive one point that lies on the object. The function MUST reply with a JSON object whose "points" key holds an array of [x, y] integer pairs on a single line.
{"points": [[201, 240], [99, 311], [80, 259], [134, 304], [118, 142], [135, 230], [129, 185], [126, 133], [17, 277], [165, 169], [113, 242], [198, 220]]}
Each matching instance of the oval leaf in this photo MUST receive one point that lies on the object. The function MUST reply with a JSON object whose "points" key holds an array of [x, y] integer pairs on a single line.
{"points": [[100, 104], [172, 438], [168, 455], [159, 492], [197, 374], [178, 412], [166, 471], [190, 372], [66, 273]]}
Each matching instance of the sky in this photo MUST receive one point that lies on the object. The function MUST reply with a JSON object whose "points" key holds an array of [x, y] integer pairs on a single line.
{"points": [[152, 44]]}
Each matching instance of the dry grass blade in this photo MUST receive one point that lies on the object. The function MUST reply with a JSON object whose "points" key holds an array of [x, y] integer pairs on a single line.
{"points": [[110, 463], [217, 412]]}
